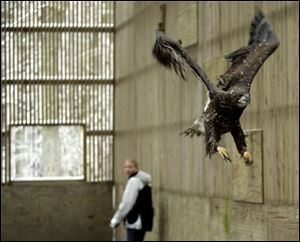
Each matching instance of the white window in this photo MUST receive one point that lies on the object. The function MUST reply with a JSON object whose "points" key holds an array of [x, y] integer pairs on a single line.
{"points": [[47, 152]]}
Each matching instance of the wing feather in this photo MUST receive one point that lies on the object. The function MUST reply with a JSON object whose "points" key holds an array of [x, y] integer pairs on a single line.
{"points": [[170, 54], [246, 61]]}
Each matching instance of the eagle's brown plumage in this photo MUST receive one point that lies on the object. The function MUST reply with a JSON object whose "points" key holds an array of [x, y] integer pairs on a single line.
{"points": [[228, 99]]}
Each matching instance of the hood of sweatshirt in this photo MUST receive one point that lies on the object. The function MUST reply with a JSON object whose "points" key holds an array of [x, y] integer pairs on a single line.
{"points": [[144, 177]]}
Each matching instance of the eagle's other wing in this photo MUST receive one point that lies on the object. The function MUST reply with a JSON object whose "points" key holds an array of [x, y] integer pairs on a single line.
{"points": [[246, 61], [170, 54]]}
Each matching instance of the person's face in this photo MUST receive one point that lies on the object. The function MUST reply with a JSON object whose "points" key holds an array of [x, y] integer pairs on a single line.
{"points": [[129, 168]]}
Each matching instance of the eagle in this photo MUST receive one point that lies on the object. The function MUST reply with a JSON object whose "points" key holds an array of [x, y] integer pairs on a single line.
{"points": [[231, 95]]}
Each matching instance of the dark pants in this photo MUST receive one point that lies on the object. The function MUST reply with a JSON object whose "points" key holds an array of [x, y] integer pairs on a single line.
{"points": [[135, 235]]}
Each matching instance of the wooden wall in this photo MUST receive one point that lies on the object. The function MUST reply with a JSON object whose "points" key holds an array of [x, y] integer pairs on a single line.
{"points": [[197, 198]]}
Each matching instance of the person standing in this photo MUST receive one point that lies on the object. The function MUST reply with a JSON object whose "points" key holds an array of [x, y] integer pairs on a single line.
{"points": [[135, 208]]}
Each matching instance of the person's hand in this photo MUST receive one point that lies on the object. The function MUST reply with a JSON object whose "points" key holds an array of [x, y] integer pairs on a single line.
{"points": [[114, 223]]}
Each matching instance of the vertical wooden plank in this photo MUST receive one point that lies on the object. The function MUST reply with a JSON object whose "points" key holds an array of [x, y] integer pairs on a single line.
{"points": [[292, 95], [282, 223], [279, 88], [186, 17], [248, 181]]}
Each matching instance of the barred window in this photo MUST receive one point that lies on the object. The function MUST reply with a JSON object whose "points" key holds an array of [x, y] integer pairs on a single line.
{"points": [[57, 70]]}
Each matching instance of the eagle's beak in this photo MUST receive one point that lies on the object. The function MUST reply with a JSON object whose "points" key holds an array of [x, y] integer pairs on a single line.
{"points": [[244, 100]]}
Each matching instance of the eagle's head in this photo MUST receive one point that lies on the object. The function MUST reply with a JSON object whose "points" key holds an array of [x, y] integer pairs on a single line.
{"points": [[243, 100]]}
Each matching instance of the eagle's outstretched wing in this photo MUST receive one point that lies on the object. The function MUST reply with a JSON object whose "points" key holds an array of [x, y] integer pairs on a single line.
{"points": [[246, 61], [170, 54]]}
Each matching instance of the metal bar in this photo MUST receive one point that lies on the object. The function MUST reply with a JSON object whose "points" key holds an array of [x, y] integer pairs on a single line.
{"points": [[48, 125], [79, 41], [28, 64], [23, 63], [18, 87], [49, 59], [3, 102], [94, 158], [90, 160], [20, 54], [35, 67], [91, 56], [84, 152], [87, 99], [57, 67], [31, 62], [76, 98], [35, 87], [8, 165], [81, 91], [102, 75], [61, 72], [44, 72], [41, 72], [69, 65], [47, 56], [64, 69], [16, 92], [105, 158], [53, 68], [112, 156], [105, 74], [12, 54], [101, 56], [61, 28], [55, 87], [99, 160], [96, 75], [72, 37]]}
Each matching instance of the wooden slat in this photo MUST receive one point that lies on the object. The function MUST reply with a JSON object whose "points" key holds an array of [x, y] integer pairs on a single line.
{"points": [[248, 181]]}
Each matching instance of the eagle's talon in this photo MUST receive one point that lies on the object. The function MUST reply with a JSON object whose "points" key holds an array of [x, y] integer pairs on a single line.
{"points": [[248, 158], [223, 152]]}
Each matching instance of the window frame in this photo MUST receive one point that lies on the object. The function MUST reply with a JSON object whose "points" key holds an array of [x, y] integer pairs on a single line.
{"points": [[56, 179]]}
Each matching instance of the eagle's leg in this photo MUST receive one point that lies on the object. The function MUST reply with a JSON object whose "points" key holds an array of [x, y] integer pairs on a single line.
{"points": [[212, 143], [240, 141]]}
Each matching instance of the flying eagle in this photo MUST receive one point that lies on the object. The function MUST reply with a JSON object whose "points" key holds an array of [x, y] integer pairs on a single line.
{"points": [[228, 99]]}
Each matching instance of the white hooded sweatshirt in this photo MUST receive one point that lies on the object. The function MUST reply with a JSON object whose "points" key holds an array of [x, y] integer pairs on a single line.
{"points": [[133, 186]]}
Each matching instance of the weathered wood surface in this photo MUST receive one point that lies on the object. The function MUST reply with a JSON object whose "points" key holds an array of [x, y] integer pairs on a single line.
{"points": [[153, 106]]}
